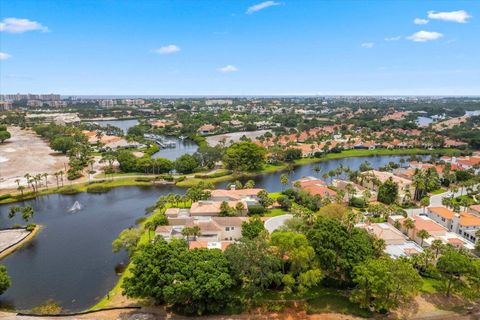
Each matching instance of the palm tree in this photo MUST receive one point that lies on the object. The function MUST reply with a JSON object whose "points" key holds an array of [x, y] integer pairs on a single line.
{"points": [[425, 202], [21, 188], [317, 169], [350, 191], [149, 226], [408, 224], [423, 234], [61, 175], [397, 224], [56, 174], [436, 245], [284, 180], [27, 176], [45, 176], [178, 198]]}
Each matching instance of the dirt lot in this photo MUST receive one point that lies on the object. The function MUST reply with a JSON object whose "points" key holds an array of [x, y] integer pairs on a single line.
{"points": [[25, 153], [235, 136]]}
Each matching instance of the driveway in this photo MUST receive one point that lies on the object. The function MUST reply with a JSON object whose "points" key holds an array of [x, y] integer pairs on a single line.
{"points": [[274, 223]]}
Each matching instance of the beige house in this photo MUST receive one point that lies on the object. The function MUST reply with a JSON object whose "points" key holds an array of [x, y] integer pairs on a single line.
{"points": [[372, 180], [213, 208]]}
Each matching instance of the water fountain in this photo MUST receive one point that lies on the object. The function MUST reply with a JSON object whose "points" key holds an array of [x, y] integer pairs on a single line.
{"points": [[76, 206]]}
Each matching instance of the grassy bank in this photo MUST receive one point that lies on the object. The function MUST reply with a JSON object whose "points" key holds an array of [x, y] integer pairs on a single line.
{"points": [[20, 244], [76, 188], [269, 168]]}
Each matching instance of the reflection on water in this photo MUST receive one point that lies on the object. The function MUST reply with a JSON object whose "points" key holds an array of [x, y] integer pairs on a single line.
{"points": [[181, 147], [122, 124]]}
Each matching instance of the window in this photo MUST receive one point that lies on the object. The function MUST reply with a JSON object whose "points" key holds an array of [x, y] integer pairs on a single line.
{"points": [[227, 228]]}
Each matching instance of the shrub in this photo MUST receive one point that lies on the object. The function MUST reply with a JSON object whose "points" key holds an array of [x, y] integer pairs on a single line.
{"points": [[98, 189], [143, 179], [357, 202], [5, 196], [69, 190], [31, 227], [256, 210]]}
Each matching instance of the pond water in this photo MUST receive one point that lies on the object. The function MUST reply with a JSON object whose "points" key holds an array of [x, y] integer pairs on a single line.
{"points": [[181, 147], [271, 181], [122, 124], [424, 121], [71, 261]]}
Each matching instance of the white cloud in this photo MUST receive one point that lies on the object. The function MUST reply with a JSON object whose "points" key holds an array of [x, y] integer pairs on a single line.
{"points": [[14, 25], [228, 69], [396, 38], [423, 36], [460, 16], [4, 56], [367, 45], [171, 48], [261, 6], [420, 21]]}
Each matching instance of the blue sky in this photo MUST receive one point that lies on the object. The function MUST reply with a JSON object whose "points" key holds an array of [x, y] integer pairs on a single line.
{"points": [[240, 47]]}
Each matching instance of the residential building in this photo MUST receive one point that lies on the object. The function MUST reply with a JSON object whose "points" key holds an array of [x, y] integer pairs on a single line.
{"points": [[465, 224], [213, 208], [250, 196], [373, 178], [206, 129], [396, 244]]}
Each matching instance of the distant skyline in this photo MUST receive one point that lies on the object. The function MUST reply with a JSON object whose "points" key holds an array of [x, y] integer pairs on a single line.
{"points": [[242, 48]]}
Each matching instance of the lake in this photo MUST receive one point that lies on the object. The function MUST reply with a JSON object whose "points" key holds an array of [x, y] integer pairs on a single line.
{"points": [[181, 147], [122, 124], [71, 261]]}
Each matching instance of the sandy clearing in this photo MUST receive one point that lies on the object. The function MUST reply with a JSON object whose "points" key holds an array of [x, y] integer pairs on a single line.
{"points": [[235, 136], [25, 153]]}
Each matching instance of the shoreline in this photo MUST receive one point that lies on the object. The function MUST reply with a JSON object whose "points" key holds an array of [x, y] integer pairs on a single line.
{"points": [[131, 180], [20, 243]]}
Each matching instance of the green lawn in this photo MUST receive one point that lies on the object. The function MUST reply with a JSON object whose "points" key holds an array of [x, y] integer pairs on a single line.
{"points": [[438, 191], [320, 300], [275, 212], [430, 285]]}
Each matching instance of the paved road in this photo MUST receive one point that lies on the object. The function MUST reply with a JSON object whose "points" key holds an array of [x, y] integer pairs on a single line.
{"points": [[274, 223], [435, 201]]}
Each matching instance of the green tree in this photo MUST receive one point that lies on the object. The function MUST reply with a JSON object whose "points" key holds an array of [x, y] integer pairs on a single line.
{"points": [[186, 163], [252, 228], [63, 144], [423, 234], [425, 202], [192, 281], [5, 281], [299, 262], [244, 156], [127, 239], [388, 192], [382, 283], [250, 184], [253, 265], [264, 199], [453, 265], [339, 249], [408, 224], [4, 135], [284, 180]]}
